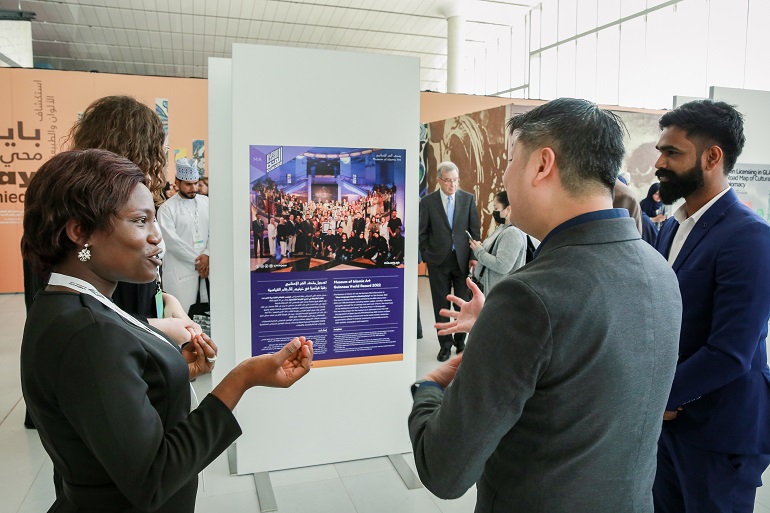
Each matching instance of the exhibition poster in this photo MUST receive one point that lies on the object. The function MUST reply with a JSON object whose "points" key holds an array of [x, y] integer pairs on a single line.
{"points": [[330, 265], [751, 183]]}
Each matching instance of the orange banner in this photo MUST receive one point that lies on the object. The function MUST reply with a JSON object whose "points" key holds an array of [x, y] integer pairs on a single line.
{"points": [[40, 107]]}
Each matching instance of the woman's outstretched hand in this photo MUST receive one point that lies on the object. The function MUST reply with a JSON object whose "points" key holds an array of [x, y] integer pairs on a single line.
{"points": [[279, 370]]}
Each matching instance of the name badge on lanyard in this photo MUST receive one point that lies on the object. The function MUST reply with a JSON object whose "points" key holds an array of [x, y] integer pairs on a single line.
{"points": [[198, 240]]}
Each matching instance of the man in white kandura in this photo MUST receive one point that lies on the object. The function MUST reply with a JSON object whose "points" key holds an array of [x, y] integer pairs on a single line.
{"points": [[184, 222]]}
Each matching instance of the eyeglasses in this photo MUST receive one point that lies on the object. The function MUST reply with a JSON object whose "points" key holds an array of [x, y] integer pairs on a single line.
{"points": [[450, 180]]}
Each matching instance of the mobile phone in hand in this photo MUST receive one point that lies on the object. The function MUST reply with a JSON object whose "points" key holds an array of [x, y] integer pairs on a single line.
{"points": [[468, 234]]}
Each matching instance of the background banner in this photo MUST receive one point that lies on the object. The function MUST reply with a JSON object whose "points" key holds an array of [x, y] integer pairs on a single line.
{"points": [[37, 110]]}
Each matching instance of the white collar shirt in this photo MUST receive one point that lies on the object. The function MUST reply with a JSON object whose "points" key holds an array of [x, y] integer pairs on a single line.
{"points": [[686, 224], [444, 200]]}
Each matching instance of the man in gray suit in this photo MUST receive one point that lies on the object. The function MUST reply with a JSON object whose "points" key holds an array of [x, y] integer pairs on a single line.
{"points": [[446, 216], [556, 406]]}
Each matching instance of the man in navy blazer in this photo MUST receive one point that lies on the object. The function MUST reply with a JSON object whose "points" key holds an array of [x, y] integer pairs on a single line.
{"points": [[446, 216], [715, 441]]}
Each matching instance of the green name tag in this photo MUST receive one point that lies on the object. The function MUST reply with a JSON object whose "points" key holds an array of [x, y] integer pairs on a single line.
{"points": [[159, 303]]}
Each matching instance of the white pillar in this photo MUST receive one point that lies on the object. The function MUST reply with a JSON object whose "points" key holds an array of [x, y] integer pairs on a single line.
{"points": [[455, 54]]}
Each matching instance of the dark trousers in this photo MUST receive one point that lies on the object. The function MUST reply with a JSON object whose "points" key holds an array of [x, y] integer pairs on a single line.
{"points": [[693, 480], [443, 278], [259, 240]]}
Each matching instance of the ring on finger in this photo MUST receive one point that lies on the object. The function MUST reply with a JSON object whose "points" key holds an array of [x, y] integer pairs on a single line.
{"points": [[212, 359]]}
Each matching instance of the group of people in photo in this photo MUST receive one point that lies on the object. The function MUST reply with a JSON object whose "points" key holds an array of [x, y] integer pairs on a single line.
{"points": [[367, 227]]}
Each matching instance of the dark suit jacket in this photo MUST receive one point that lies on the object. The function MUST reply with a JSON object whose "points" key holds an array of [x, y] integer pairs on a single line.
{"points": [[558, 402], [722, 379], [258, 228], [359, 225], [436, 238], [111, 404]]}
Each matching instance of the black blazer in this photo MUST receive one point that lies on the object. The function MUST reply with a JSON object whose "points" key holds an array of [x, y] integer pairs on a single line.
{"points": [[436, 238], [111, 403]]}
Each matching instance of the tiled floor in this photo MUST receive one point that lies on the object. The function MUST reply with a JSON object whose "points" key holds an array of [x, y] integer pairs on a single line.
{"points": [[364, 486]]}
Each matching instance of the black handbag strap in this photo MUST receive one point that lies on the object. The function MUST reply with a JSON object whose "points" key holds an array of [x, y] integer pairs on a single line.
{"points": [[208, 290], [530, 250]]}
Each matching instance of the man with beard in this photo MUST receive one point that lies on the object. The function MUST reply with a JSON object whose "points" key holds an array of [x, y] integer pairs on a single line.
{"points": [[715, 442], [184, 222]]}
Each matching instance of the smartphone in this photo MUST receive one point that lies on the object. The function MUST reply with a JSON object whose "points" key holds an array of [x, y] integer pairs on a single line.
{"points": [[468, 234]]}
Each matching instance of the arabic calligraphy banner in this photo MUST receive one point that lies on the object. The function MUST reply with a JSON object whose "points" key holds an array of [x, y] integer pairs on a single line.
{"points": [[37, 110]]}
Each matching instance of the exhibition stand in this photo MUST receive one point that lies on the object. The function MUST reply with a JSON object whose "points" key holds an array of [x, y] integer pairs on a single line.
{"points": [[344, 122]]}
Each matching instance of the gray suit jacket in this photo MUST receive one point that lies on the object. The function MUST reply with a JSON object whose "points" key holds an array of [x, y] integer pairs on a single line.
{"points": [[436, 238], [558, 403]]}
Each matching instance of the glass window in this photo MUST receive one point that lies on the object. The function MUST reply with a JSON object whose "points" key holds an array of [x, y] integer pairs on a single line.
{"points": [[535, 24], [565, 78], [548, 74], [632, 76], [727, 42], [585, 67], [757, 44], [519, 57], [534, 77], [549, 15], [567, 18], [607, 11], [586, 15], [607, 66], [629, 7]]}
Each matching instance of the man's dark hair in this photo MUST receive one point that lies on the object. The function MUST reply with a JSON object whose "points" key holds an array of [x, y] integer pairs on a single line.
{"points": [[709, 122], [587, 141], [89, 186]]}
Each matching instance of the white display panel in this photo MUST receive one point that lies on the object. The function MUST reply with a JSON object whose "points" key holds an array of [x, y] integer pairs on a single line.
{"points": [[301, 97], [754, 105], [220, 161], [750, 178]]}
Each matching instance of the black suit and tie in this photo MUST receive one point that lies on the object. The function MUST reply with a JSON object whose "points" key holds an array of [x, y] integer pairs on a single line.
{"points": [[444, 247], [258, 229]]}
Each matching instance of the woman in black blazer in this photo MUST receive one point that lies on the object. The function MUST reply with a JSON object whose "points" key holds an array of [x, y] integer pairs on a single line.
{"points": [[109, 394]]}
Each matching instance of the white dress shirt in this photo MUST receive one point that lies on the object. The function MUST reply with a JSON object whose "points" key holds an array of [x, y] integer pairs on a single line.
{"points": [[686, 224]]}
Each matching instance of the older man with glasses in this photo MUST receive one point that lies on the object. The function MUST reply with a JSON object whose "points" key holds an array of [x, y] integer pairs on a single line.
{"points": [[447, 216]]}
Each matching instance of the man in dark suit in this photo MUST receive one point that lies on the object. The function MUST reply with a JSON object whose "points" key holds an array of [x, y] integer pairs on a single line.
{"points": [[359, 224], [557, 404], [715, 442], [307, 230], [258, 230], [445, 217]]}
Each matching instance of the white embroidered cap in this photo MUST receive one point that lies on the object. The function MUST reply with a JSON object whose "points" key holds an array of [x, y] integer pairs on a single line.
{"points": [[187, 170]]}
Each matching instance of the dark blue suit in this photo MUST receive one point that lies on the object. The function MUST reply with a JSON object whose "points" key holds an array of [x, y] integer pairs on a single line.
{"points": [[722, 380]]}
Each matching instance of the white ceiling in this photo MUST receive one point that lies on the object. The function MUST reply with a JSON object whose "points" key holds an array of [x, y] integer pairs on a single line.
{"points": [[176, 37]]}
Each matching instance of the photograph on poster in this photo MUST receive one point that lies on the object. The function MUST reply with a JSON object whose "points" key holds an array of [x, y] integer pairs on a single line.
{"points": [[328, 209], [325, 208]]}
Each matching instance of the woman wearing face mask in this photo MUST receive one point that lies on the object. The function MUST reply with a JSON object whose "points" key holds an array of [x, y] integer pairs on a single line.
{"points": [[503, 251]]}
